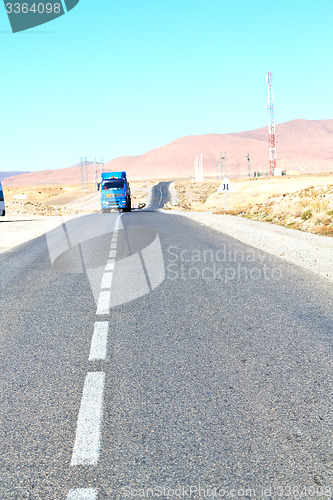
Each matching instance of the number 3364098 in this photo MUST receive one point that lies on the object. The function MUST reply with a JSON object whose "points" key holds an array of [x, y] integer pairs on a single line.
{"points": [[35, 8]]}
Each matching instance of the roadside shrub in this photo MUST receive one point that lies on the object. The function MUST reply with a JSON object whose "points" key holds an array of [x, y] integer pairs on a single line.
{"points": [[297, 211], [254, 209], [306, 215], [220, 211], [322, 218], [325, 230]]}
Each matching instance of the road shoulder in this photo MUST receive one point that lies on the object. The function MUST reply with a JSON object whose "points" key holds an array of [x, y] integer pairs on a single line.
{"points": [[22, 228], [309, 251]]}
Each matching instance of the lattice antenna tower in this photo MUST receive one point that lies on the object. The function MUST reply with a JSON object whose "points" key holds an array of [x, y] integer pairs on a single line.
{"points": [[271, 125]]}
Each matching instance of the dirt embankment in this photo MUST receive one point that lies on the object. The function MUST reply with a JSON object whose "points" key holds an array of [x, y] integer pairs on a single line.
{"points": [[304, 203]]}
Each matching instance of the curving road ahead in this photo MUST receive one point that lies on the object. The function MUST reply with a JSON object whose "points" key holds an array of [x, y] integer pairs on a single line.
{"points": [[159, 196]]}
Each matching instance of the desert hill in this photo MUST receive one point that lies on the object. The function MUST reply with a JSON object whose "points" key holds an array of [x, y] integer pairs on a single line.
{"points": [[302, 145], [4, 175]]}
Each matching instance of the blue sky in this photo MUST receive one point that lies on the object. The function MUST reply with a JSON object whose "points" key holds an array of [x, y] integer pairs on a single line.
{"points": [[121, 77]]}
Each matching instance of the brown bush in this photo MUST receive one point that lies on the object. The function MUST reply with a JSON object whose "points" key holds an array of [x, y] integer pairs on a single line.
{"points": [[324, 230]]}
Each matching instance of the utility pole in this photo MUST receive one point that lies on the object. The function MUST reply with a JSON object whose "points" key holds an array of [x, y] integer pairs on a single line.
{"points": [[81, 171], [223, 158], [248, 165], [86, 173], [201, 174], [198, 168], [97, 165], [95, 174], [221, 168]]}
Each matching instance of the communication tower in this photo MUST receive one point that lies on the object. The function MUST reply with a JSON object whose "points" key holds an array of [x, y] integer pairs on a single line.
{"points": [[271, 125]]}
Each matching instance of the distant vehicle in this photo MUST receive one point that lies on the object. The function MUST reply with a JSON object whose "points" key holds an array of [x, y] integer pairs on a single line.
{"points": [[2, 202], [115, 192]]}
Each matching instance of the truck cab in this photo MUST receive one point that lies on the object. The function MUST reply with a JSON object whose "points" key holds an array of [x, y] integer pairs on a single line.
{"points": [[115, 192], [2, 202]]}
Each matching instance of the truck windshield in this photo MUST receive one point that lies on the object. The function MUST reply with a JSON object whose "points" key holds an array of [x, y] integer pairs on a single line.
{"points": [[113, 184]]}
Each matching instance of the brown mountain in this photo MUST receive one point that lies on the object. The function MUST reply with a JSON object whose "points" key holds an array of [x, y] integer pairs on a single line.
{"points": [[302, 145], [4, 175]]}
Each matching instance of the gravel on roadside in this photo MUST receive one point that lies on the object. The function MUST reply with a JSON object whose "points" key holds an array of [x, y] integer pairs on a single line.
{"points": [[16, 229], [309, 251]]}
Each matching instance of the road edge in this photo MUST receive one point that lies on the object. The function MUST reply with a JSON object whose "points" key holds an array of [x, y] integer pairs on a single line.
{"points": [[309, 251]]}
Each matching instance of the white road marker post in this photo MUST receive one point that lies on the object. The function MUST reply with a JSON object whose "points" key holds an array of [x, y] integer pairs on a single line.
{"points": [[224, 188]]}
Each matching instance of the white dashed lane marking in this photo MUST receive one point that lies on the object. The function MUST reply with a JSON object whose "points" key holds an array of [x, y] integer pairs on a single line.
{"points": [[87, 440], [110, 265], [87, 443], [104, 302], [104, 299], [99, 341], [106, 281]]}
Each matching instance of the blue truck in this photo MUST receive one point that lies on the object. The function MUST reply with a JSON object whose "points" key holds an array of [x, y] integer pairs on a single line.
{"points": [[115, 192], [2, 203]]}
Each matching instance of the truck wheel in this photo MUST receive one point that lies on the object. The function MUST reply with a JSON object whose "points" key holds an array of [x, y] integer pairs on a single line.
{"points": [[128, 207]]}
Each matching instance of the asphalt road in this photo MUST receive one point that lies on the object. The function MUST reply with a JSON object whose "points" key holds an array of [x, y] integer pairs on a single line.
{"points": [[148, 356], [159, 195]]}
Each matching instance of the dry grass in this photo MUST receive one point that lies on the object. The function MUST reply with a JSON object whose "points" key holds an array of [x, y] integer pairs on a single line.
{"points": [[310, 210], [192, 195], [302, 203]]}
